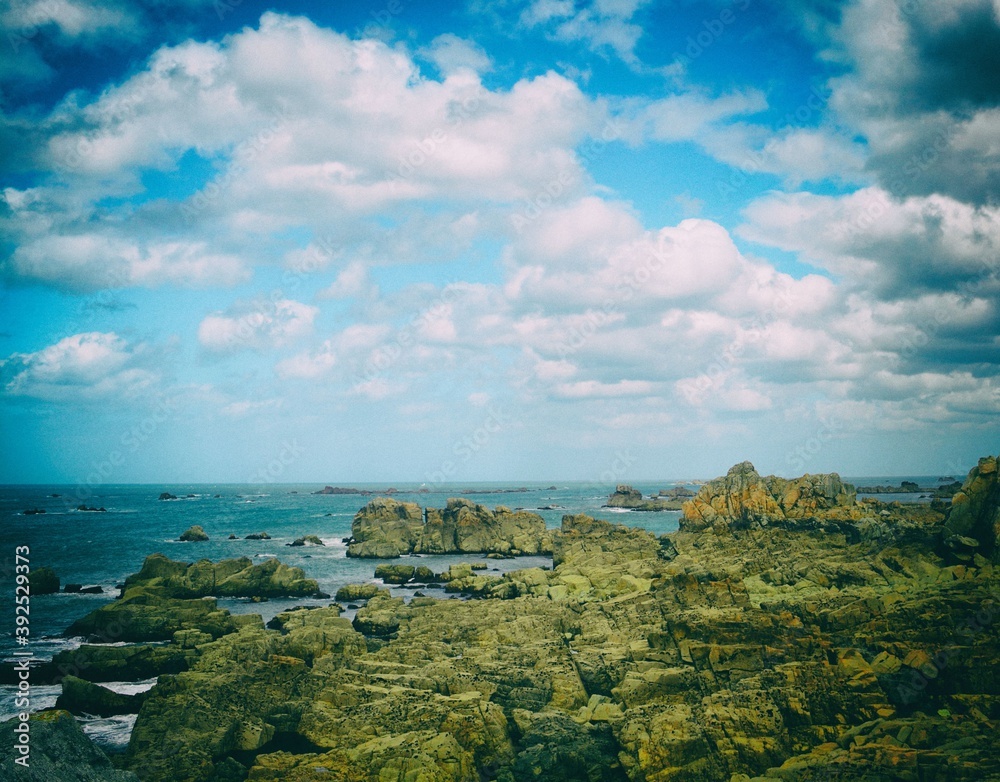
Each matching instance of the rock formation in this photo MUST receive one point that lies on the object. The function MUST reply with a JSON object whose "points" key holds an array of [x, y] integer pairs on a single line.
{"points": [[386, 528], [43, 581], [625, 496], [973, 523], [194, 533], [743, 499]]}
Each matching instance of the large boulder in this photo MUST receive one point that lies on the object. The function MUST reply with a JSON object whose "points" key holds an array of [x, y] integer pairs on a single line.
{"points": [[465, 527], [43, 581], [193, 534], [743, 499], [385, 528], [973, 522]]}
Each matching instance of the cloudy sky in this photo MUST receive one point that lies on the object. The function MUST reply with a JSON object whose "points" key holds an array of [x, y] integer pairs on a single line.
{"points": [[392, 240]]}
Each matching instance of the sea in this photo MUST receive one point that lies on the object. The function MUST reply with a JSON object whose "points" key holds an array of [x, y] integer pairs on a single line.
{"points": [[102, 547]]}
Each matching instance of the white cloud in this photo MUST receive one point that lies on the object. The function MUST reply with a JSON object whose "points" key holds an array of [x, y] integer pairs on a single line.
{"points": [[262, 325], [91, 365], [451, 53], [605, 26]]}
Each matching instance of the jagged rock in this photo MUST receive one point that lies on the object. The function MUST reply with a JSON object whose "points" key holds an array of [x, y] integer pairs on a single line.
{"points": [[144, 615], [257, 536], [743, 499], [59, 751], [385, 528], [82, 697], [809, 647], [307, 540], [123, 663], [975, 513], [43, 581], [227, 578], [167, 496], [193, 534]]}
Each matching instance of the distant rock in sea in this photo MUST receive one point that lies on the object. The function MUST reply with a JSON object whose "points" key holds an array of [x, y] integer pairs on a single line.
{"points": [[167, 496], [33, 512], [91, 509], [625, 496], [258, 536], [193, 534], [307, 540], [43, 581]]}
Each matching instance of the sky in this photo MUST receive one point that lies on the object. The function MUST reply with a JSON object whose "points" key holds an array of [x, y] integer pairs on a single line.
{"points": [[597, 240]]}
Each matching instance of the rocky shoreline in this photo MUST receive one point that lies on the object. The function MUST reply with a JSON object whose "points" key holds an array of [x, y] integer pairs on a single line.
{"points": [[787, 631]]}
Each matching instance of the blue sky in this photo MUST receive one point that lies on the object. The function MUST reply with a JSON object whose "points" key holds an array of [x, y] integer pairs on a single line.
{"points": [[533, 239]]}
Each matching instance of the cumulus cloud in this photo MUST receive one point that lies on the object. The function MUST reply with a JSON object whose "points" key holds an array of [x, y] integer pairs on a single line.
{"points": [[605, 26], [921, 86], [93, 365], [262, 325]]}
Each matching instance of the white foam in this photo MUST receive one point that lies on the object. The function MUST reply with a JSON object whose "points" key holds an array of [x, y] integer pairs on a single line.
{"points": [[109, 731]]}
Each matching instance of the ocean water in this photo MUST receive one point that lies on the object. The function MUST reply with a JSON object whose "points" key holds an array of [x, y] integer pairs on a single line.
{"points": [[102, 548]]}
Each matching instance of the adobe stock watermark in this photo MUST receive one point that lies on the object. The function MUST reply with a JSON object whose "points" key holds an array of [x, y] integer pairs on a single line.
{"points": [[404, 339], [808, 450], [553, 190], [712, 30], [626, 287], [291, 451], [467, 447], [133, 438], [423, 151], [245, 153]]}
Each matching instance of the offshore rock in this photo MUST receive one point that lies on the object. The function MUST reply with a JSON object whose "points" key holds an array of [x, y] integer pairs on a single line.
{"points": [[227, 578], [386, 528], [743, 499], [625, 496], [193, 534], [43, 581]]}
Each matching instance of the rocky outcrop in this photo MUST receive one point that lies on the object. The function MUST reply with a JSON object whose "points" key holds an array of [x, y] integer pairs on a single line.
{"points": [[59, 750], [227, 578], [307, 540], [386, 528], [743, 499], [43, 581], [257, 536], [624, 496], [351, 593], [80, 696], [165, 495], [973, 523], [193, 534]]}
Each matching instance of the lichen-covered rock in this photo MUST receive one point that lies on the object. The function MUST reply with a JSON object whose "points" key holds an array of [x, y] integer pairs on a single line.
{"points": [[353, 592], [228, 578], [307, 540], [395, 574], [743, 499], [385, 528], [832, 642], [193, 534], [973, 522]]}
